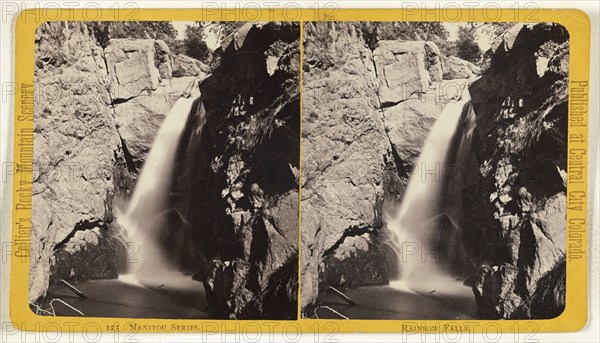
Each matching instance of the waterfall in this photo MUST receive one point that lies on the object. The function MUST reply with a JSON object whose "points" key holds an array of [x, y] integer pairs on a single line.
{"points": [[148, 217], [427, 225]]}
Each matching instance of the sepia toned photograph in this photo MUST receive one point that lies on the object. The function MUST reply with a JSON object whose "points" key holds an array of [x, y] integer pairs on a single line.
{"points": [[434, 170], [299, 172], [166, 161]]}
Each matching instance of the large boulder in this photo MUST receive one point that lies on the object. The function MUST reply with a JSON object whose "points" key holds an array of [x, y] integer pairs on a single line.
{"points": [[516, 215], [136, 66], [405, 68], [186, 66], [456, 68]]}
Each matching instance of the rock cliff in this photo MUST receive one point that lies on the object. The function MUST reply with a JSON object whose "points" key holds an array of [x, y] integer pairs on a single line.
{"points": [[98, 105], [366, 113], [515, 212], [239, 174]]}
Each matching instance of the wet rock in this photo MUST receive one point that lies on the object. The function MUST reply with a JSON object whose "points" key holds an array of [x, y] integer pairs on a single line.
{"points": [[517, 227]]}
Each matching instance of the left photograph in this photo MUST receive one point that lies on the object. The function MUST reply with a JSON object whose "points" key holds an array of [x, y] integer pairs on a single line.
{"points": [[165, 170]]}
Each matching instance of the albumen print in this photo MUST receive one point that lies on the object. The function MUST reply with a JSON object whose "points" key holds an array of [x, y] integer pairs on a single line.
{"points": [[166, 158], [434, 170]]}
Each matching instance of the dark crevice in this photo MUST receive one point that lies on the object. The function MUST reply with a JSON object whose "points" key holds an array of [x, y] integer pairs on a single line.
{"points": [[352, 231], [105, 61], [400, 169], [128, 158], [394, 103], [372, 48], [81, 226], [402, 173], [374, 65], [116, 74], [384, 105], [118, 101]]}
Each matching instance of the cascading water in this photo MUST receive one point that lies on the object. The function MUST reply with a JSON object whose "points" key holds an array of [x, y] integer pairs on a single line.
{"points": [[427, 225], [432, 259], [147, 218], [154, 285]]}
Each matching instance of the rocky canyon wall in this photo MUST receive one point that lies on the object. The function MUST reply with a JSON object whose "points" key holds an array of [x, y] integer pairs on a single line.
{"points": [[239, 174], [516, 211], [98, 104], [367, 110]]}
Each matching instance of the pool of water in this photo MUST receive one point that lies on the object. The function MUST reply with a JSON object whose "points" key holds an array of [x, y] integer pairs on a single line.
{"points": [[170, 297], [440, 301]]}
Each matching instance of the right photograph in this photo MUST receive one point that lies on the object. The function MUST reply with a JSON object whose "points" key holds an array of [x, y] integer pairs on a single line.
{"points": [[434, 170]]}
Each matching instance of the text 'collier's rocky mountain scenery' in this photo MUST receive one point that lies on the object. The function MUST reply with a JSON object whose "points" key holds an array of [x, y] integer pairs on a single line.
{"points": [[168, 181]]}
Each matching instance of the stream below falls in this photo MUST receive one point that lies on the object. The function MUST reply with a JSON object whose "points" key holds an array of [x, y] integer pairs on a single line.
{"points": [[432, 259], [448, 300], [154, 285], [174, 297]]}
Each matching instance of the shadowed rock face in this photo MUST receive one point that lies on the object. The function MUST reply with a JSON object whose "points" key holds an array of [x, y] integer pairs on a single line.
{"points": [[238, 187], [515, 212], [98, 106], [366, 115]]}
